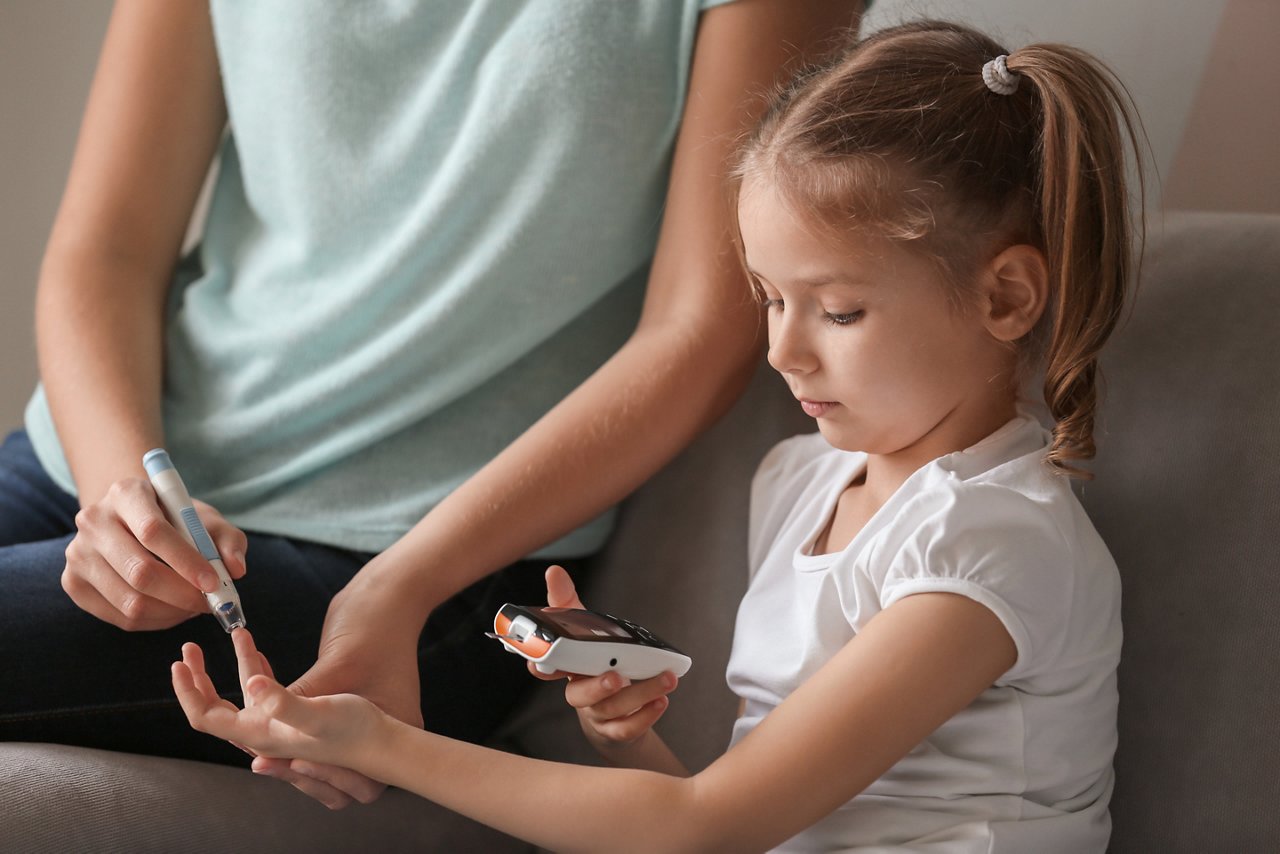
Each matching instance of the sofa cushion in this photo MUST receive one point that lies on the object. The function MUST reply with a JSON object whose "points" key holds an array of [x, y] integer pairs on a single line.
{"points": [[60, 799]]}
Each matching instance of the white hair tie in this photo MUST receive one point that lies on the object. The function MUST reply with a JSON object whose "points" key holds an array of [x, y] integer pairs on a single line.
{"points": [[998, 77]]}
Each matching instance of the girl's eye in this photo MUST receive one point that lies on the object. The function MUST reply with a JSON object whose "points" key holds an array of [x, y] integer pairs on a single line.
{"points": [[771, 303], [843, 319]]}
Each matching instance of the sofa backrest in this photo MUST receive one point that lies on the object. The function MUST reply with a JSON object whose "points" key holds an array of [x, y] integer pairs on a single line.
{"points": [[1188, 500]]}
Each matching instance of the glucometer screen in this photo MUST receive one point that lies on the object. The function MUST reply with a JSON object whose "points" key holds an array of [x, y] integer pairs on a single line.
{"points": [[589, 625], [584, 625]]}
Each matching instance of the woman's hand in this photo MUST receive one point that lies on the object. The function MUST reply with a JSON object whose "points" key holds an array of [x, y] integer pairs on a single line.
{"points": [[127, 565], [613, 711], [365, 649], [333, 729]]}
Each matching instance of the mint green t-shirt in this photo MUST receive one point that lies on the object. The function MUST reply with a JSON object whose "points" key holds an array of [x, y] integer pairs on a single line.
{"points": [[432, 221]]}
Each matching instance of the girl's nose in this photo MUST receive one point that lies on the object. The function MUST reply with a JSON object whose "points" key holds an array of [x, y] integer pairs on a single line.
{"points": [[789, 352]]}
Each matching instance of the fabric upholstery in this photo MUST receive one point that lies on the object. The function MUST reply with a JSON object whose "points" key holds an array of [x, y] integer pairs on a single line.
{"points": [[1187, 500]]}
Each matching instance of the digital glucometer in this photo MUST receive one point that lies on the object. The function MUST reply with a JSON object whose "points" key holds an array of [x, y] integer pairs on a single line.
{"points": [[585, 642]]}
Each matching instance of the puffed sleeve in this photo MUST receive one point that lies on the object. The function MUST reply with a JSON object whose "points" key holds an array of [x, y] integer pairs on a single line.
{"points": [[996, 546]]}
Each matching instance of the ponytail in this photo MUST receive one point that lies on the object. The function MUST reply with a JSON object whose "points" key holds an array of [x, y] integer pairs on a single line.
{"points": [[1083, 211]]}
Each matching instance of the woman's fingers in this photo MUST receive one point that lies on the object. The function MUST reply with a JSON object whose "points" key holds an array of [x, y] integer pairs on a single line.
{"points": [[142, 571], [134, 501], [128, 566], [96, 587], [350, 783], [331, 797], [318, 782], [229, 540]]}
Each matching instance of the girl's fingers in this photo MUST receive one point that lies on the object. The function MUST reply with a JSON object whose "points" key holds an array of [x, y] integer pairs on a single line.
{"points": [[248, 659], [633, 726], [193, 658], [546, 677], [279, 702], [195, 704], [560, 590], [586, 691], [613, 696]]}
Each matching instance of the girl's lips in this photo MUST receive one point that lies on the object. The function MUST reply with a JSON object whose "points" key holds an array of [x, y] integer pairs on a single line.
{"points": [[816, 408]]}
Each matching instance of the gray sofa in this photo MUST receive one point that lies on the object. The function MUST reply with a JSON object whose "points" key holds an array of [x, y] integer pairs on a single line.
{"points": [[1186, 497]]}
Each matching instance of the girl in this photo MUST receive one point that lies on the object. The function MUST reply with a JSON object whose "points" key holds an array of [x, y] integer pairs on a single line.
{"points": [[926, 652]]}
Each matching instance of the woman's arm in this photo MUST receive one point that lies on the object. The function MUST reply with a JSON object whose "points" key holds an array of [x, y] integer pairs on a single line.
{"points": [[151, 126], [909, 670], [688, 359]]}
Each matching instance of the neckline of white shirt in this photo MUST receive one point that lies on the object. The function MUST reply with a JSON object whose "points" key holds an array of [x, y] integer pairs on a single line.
{"points": [[994, 448]]}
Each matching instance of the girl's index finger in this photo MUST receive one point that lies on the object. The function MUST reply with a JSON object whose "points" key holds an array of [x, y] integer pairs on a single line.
{"points": [[248, 659]]}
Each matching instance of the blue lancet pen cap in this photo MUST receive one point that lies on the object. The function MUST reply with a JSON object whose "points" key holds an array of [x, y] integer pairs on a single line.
{"points": [[155, 461]]}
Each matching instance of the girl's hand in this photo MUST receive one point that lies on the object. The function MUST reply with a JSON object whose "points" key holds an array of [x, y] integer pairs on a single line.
{"points": [[274, 721], [612, 710], [127, 565]]}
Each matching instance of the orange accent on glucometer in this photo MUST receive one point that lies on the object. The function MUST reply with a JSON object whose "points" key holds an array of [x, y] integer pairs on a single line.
{"points": [[532, 646]]}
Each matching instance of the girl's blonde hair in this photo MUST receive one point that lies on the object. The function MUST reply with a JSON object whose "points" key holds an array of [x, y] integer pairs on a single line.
{"points": [[901, 137]]}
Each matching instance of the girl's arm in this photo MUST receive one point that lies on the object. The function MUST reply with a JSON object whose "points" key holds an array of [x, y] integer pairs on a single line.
{"points": [[915, 665], [153, 120], [688, 360]]}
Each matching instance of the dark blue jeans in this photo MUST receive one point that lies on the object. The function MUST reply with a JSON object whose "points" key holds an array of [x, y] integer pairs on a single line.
{"points": [[73, 679]]}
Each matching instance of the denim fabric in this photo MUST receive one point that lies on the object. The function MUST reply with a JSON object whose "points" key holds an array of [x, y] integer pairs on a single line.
{"points": [[73, 679]]}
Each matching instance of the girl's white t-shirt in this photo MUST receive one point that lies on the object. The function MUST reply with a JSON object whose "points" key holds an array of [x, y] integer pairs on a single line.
{"points": [[1027, 766]]}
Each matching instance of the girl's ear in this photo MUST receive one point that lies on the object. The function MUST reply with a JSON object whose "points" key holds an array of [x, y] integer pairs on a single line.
{"points": [[1015, 290]]}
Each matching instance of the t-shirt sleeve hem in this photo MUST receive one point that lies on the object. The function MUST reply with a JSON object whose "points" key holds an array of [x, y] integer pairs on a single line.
{"points": [[993, 602]]}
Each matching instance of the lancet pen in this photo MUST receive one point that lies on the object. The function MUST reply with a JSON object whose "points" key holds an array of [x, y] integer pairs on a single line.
{"points": [[172, 492]]}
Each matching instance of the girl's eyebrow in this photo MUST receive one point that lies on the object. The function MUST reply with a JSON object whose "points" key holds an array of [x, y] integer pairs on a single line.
{"points": [[819, 281]]}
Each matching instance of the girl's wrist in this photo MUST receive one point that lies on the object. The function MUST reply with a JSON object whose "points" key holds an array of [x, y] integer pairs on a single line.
{"points": [[393, 740]]}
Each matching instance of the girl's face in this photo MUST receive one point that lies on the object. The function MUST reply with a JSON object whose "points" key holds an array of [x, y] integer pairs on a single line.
{"points": [[864, 334]]}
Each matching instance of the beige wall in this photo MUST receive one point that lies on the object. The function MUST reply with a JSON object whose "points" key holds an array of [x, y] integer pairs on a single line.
{"points": [[1158, 48], [1225, 104], [48, 49], [1229, 155]]}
